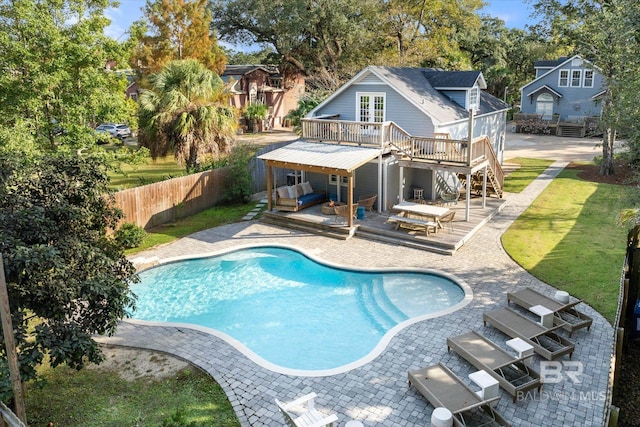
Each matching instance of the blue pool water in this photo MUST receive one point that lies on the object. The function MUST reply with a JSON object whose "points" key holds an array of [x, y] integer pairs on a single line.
{"points": [[288, 309]]}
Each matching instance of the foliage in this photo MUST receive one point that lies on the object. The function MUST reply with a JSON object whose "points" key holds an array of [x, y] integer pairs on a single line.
{"points": [[184, 111], [67, 279], [239, 183], [130, 235], [179, 29], [307, 103], [143, 401], [572, 224], [54, 84], [256, 111]]}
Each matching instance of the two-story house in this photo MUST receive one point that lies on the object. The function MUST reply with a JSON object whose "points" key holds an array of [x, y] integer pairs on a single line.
{"points": [[249, 84], [564, 97]]}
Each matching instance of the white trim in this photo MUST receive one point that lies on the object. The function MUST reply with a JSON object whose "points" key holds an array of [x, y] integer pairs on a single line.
{"points": [[568, 77], [372, 103], [560, 66], [579, 78], [584, 78]]}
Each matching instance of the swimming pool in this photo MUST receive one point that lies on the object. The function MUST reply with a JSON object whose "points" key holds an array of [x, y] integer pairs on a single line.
{"points": [[290, 313]]}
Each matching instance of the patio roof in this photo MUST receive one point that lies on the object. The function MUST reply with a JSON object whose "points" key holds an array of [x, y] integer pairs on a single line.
{"points": [[317, 157]]}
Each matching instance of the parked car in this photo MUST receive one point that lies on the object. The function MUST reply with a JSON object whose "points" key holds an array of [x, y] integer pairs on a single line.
{"points": [[116, 130]]}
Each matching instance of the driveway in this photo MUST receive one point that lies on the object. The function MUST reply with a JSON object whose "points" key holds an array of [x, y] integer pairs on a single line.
{"points": [[550, 147]]}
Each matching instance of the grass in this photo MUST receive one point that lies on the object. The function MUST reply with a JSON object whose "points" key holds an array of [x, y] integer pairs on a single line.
{"points": [[212, 217], [153, 171], [528, 171], [97, 397], [570, 238]]}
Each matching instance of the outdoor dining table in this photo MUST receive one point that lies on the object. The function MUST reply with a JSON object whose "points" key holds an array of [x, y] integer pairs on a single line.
{"points": [[427, 211]]}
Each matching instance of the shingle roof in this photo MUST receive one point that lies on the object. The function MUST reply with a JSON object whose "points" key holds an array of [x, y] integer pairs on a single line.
{"points": [[452, 79]]}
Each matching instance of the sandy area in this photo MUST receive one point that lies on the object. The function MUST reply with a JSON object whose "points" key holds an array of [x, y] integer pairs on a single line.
{"points": [[131, 363]]}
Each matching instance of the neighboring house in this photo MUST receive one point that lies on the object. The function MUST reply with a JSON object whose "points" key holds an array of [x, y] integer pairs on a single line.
{"points": [[391, 130], [265, 84], [565, 98]]}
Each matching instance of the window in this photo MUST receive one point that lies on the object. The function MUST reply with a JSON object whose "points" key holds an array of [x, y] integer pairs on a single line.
{"points": [[371, 107], [564, 78], [588, 78], [333, 180], [576, 76], [473, 99], [544, 106]]}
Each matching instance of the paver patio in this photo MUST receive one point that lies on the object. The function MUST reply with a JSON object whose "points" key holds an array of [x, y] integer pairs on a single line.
{"points": [[377, 393]]}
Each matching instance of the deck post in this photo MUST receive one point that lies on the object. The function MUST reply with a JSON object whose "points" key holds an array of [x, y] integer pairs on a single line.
{"points": [[467, 210], [401, 184], [484, 187], [469, 144], [269, 191], [350, 198], [380, 181]]}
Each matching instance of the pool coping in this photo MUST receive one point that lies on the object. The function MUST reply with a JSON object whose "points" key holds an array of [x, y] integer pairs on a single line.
{"points": [[375, 352]]}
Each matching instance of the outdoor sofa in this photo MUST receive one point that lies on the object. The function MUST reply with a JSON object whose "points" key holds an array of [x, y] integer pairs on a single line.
{"points": [[293, 198]]}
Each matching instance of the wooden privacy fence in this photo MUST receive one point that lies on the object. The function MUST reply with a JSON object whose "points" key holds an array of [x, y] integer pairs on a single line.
{"points": [[155, 204], [258, 168]]}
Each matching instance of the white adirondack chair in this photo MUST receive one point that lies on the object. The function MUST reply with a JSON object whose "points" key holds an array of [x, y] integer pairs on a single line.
{"points": [[309, 417]]}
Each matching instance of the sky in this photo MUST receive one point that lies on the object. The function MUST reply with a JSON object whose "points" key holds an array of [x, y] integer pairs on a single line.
{"points": [[515, 14]]}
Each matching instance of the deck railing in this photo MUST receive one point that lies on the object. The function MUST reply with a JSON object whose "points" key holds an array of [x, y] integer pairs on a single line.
{"points": [[390, 135], [482, 149]]}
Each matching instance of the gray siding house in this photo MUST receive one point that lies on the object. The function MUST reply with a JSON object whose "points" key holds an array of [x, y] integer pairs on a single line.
{"points": [[425, 129], [565, 94]]}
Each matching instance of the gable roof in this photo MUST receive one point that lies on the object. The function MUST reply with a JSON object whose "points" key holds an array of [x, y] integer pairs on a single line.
{"points": [[559, 64], [420, 86]]}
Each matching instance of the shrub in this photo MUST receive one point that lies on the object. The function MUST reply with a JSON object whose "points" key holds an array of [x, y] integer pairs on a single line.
{"points": [[239, 186], [256, 111], [130, 235]]}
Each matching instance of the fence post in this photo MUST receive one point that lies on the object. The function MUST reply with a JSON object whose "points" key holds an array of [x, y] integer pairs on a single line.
{"points": [[12, 355]]}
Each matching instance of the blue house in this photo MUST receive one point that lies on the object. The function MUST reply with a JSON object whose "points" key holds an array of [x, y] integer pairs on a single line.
{"points": [[563, 98], [390, 131]]}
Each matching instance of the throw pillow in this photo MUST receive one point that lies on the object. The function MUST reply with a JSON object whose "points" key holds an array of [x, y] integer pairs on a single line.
{"points": [[306, 188], [283, 192], [292, 191]]}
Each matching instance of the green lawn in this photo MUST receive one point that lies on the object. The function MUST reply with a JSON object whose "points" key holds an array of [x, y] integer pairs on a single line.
{"points": [[98, 398], [528, 171], [154, 171], [569, 238]]}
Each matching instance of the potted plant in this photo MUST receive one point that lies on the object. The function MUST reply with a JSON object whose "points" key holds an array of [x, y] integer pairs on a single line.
{"points": [[255, 114]]}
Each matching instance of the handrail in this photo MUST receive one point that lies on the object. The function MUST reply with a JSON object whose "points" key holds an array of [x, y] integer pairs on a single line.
{"points": [[341, 131], [482, 143]]}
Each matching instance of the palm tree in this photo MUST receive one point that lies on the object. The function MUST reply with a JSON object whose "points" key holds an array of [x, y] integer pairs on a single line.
{"points": [[184, 111]]}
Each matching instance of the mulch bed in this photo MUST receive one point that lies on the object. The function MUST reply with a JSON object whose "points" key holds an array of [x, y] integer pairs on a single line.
{"points": [[627, 392], [623, 173]]}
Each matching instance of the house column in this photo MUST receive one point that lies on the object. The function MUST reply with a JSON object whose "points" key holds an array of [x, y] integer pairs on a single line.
{"points": [[401, 185], [484, 187], [467, 208], [380, 186], [350, 198]]}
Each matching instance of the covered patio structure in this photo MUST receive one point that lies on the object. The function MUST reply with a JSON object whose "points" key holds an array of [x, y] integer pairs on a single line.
{"points": [[327, 159]]}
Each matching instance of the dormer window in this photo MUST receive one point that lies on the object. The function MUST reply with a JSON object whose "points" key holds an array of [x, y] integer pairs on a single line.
{"points": [[473, 102]]}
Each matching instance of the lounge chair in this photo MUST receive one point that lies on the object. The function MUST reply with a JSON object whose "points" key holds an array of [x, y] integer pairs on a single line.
{"points": [[367, 201], [545, 341], [564, 314], [511, 372], [310, 417], [443, 388]]}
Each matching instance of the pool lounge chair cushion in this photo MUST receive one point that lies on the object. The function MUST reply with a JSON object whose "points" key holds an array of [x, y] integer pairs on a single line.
{"points": [[442, 388], [565, 314]]}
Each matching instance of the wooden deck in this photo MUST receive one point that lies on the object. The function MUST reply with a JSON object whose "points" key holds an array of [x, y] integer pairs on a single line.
{"points": [[376, 227]]}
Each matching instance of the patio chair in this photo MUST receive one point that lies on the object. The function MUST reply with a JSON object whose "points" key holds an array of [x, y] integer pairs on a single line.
{"points": [[342, 212], [511, 372], [367, 201], [564, 314], [308, 417], [448, 218], [545, 341], [444, 389]]}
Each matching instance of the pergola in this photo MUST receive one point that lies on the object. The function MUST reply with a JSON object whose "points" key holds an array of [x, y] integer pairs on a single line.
{"points": [[329, 159]]}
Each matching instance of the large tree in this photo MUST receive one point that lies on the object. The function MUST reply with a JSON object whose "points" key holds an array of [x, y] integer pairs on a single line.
{"points": [[605, 32], [53, 82], [68, 279], [177, 29], [184, 111], [325, 39]]}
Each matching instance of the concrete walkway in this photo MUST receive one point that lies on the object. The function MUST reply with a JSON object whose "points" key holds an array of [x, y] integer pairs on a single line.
{"points": [[377, 394]]}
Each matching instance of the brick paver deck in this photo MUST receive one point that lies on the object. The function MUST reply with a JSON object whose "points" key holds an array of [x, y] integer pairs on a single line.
{"points": [[377, 393]]}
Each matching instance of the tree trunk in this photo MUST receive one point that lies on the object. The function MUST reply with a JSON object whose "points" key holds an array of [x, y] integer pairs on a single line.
{"points": [[606, 167]]}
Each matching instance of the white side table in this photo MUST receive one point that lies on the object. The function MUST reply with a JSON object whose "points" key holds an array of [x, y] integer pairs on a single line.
{"points": [[523, 349], [441, 417], [488, 386], [546, 315]]}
